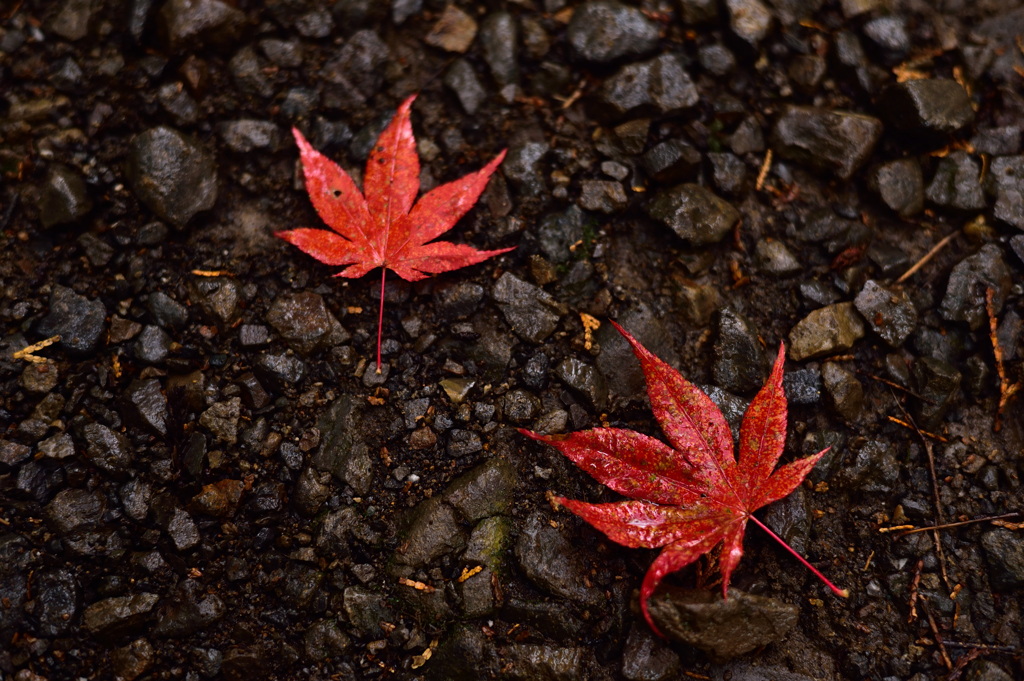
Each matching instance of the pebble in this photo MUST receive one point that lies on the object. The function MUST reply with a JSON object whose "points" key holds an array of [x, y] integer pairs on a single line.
{"points": [[488, 540], [658, 87], [807, 71], [219, 299], [938, 382], [932, 105], [672, 161], [846, 394], [717, 59], [1001, 141], [59, 446], [64, 198], [775, 258], [602, 196], [854, 8], [73, 509], [558, 232], [219, 499], [790, 518], [221, 419], [604, 31], [585, 380], [461, 79], [540, 661], [748, 138], [190, 24], [171, 174], [1005, 553], [453, 32], [484, 491], [728, 172], [120, 616], [521, 167], [39, 379], [287, 54], [618, 364], [531, 312], [305, 324], [315, 24], [433, 532], [249, 134], [13, 454], [145, 406], [133, 660], [829, 330], [984, 670], [802, 386], [1003, 182], [311, 490], [900, 184], [79, 321], [825, 139], [135, 497], [153, 345], [107, 450], [280, 370], [177, 101], [889, 35], [188, 610], [342, 451], [739, 363], [499, 40], [722, 628], [875, 468], [888, 312], [694, 213], [647, 657], [72, 21], [167, 312], [247, 71], [324, 641], [58, 598], [551, 562], [968, 282], [519, 406], [957, 183], [750, 20], [365, 611], [463, 443]]}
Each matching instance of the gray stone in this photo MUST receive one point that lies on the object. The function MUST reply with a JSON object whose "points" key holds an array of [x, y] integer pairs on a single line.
{"points": [[1005, 182], [533, 661], [748, 138], [484, 491], [311, 490], [874, 469], [559, 231], [846, 394], [694, 213], [939, 383], [549, 560], [985, 670], [968, 282], [221, 419], [145, 406], [807, 71], [728, 172], [520, 406], [717, 59], [166, 311], [531, 312], [356, 73], [477, 595], [618, 364], [342, 451], [647, 657], [135, 497], [171, 174], [39, 378], [461, 79], [178, 102], [63, 198], [659, 87], [604, 31], [888, 312], [603, 196], [131, 661], [58, 599], [722, 628], [190, 24], [249, 134], [78, 321], [900, 184], [829, 330], [305, 323], [487, 543], [521, 167], [315, 24], [463, 442], [280, 370], [585, 380], [957, 183], [790, 518], [219, 299], [72, 21], [889, 34], [433, 532], [153, 345], [1001, 141], [59, 446], [247, 70], [775, 258], [73, 509], [403, 9], [324, 641], [739, 362], [931, 105], [750, 20], [825, 139], [107, 450], [499, 39], [672, 161], [112, 618], [284, 53], [188, 610]]}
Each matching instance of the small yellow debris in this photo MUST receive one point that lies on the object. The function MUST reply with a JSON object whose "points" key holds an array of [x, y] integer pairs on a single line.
{"points": [[195, 573], [211, 273], [884, 530], [116, 362], [467, 573], [816, 602], [355, 310], [821, 487], [765, 167], [26, 352], [590, 325], [420, 660], [419, 586], [1008, 525]]}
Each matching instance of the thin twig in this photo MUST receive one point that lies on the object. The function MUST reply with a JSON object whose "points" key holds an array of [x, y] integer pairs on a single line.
{"points": [[1006, 391], [962, 663], [927, 256], [922, 432], [913, 591], [952, 525], [891, 384], [764, 170], [26, 353], [938, 636], [983, 646]]}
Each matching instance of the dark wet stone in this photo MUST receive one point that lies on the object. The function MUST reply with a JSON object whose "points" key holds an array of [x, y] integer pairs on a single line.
{"points": [[219, 299], [39, 379], [604, 31], [1004, 182], [748, 137], [107, 450], [484, 491], [135, 497], [311, 490], [659, 87], [535, 373], [304, 322], [221, 419], [464, 655], [1001, 141], [188, 609], [968, 282], [825, 139], [723, 629], [551, 618], [750, 20], [186, 24], [356, 73], [521, 167], [178, 102], [846, 394], [153, 345], [631, 136], [1004, 550], [463, 443], [826, 331], [98, 251], [253, 335], [282, 371], [559, 231], [499, 39], [78, 321], [717, 59], [938, 382], [167, 312], [957, 183], [585, 380], [461, 79], [457, 299], [324, 641], [549, 560], [133, 660], [171, 174], [59, 446], [299, 584], [247, 71], [73, 509], [932, 105], [900, 183], [366, 610], [985, 670], [874, 469], [775, 258], [728, 172], [807, 71], [122, 330], [647, 657], [219, 499], [284, 53], [181, 529], [534, 661], [520, 406], [672, 161], [888, 312], [145, 405], [477, 595], [790, 518], [694, 213], [739, 363], [889, 35], [13, 454], [63, 198], [248, 134], [120, 616], [618, 364], [433, 532], [56, 603], [603, 196], [531, 312], [342, 451]]}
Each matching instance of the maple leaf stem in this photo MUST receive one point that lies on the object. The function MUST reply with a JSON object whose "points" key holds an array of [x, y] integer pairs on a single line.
{"points": [[380, 319], [844, 593]]}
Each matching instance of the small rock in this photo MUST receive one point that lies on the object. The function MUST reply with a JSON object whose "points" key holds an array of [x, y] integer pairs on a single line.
{"points": [[790, 518], [984, 670], [602, 196], [59, 446], [531, 312], [73, 509], [874, 469], [247, 70], [534, 661], [1002, 141], [560, 231], [520, 406], [807, 71], [78, 321], [107, 450], [188, 610], [282, 371], [167, 312], [248, 134], [694, 213], [324, 641], [499, 38], [433, 532], [58, 598], [854, 8], [939, 383], [900, 183], [171, 174], [957, 183], [722, 628], [748, 138], [72, 21], [888, 312], [153, 345], [717, 59], [178, 102], [728, 172], [315, 24], [135, 497], [585, 380], [186, 24], [463, 443], [889, 35], [39, 379], [672, 161], [113, 618], [221, 420], [484, 491], [658, 87], [845, 392], [461, 79], [342, 451], [453, 32], [219, 499], [521, 167], [931, 105], [775, 258], [549, 560], [739, 360], [219, 299], [284, 53], [827, 331], [366, 610], [132, 660], [305, 323], [122, 330], [968, 282], [604, 31], [1003, 181], [311, 490], [825, 139], [750, 20], [145, 406], [12, 454], [647, 657], [64, 198]]}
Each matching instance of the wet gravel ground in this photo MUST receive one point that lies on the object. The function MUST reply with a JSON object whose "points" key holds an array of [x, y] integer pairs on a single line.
{"points": [[205, 478]]}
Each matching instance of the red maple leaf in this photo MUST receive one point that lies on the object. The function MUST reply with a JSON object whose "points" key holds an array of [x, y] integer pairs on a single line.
{"points": [[691, 495], [383, 228]]}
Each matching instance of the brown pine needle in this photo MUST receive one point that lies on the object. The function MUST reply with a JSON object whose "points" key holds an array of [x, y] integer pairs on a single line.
{"points": [[26, 352], [891, 384], [995, 520], [1009, 526], [211, 273], [1006, 390], [913, 591], [923, 432], [419, 586], [895, 528], [469, 572], [937, 635], [927, 256], [764, 170]]}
